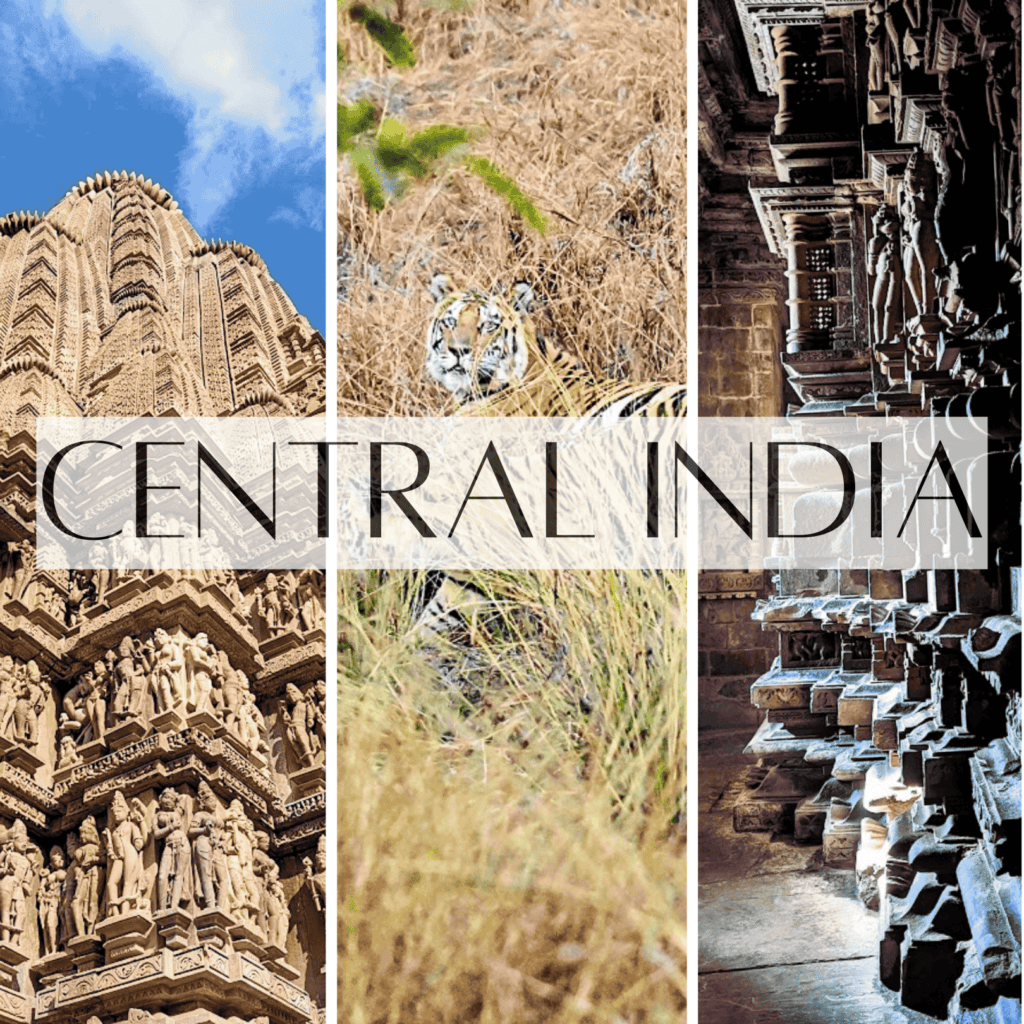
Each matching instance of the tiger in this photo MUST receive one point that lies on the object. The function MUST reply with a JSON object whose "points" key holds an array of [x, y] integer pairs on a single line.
{"points": [[484, 350]]}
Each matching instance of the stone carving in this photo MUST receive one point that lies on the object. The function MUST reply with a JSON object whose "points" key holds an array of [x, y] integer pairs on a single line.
{"points": [[883, 261], [299, 717], [316, 879], [168, 680], [309, 595], [201, 662], [17, 876], [239, 846], [51, 901], [174, 879], [920, 249], [212, 883], [124, 839]]}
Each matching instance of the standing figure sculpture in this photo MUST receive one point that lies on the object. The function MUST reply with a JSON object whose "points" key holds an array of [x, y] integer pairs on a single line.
{"points": [[172, 882], [212, 884], [51, 900], [168, 672], [15, 881], [200, 665], [89, 861], [239, 843], [124, 843], [299, 719], [920, 249]]}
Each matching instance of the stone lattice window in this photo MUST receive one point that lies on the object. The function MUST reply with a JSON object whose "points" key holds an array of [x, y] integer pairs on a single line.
{"points": [[819, 257], [823, 318], [822, 288]]}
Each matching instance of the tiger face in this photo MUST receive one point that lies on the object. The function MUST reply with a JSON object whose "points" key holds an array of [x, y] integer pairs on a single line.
{"points": [[477, 344]]}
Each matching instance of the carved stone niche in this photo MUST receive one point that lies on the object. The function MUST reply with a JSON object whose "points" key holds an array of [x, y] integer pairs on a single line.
{"points": [[809, 650]]}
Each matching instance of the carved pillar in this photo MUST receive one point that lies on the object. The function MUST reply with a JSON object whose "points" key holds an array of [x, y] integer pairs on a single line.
{"points": [[810, 259]]}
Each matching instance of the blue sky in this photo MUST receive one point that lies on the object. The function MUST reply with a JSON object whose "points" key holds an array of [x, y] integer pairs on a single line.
{"points": [[221, 101]]}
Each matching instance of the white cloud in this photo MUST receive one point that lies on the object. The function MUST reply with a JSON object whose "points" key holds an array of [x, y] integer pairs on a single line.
{"points": [[247, 72]]}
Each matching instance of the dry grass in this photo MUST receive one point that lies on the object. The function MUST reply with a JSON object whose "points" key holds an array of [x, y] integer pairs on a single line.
{"points": [[510, 812], [582, 104]]}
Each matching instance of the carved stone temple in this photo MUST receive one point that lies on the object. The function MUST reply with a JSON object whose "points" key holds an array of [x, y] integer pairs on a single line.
{"points": [[861, 257], [162, 734]]}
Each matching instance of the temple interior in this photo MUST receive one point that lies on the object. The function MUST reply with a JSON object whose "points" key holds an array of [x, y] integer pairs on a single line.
{"points": [[859, 243]]}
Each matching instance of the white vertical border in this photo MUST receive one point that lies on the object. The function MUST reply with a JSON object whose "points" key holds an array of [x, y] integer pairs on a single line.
{"points": [[331, 575], [691, 13]]}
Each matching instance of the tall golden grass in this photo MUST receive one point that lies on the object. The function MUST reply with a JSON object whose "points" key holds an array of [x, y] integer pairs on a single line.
{"points": [[511, 806], [511, 811], [581, 103]]}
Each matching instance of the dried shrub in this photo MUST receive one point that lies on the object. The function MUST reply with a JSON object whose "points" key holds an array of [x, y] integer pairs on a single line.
{"points": [[582, 106]]}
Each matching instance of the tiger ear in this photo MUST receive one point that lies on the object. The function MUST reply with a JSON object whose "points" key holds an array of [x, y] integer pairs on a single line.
{"points": [[520, 297], [440, 287]]}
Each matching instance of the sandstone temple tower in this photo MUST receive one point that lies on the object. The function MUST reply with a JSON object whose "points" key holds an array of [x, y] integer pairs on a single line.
{"points": [[162, 734]]}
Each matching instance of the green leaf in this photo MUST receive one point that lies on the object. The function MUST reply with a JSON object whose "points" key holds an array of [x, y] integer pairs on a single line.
{"points": [[434, 142], [391, 38], [506, 187], [354, 120], [369, 177], [394, 152]]}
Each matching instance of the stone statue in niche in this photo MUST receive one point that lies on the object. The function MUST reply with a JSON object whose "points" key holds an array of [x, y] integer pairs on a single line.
{"points": [[67, 753], [208, 858], [317, 880], [33, 694], [270, 604], [277, 909], [96, 700], [239, 842], [173, 882], [78, 591], [51, 900], [309, 599], [168, 672], [17, 874], [884, 264], [920, 250], [24, 569], [298, 718], [262, 862], [201, 662], [129, 681], [876, 45], [230, 695], [8, 687], [125, 838], [319, 704], [252, 729]]}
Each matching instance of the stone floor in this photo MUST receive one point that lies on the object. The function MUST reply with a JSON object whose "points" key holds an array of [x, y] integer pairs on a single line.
{"points": [[782, 939]]}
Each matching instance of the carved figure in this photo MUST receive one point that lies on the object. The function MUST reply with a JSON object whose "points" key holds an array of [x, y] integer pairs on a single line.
{"points": [[208, 858], [15, 881], [101, 574], [25, 567], [277, 910], [262, 862], [32, 697], [96, 700], [124, 844], [200, 665], [68, 752], [238, 847], [274, 605], [176, 859], [317, 880], [168, 672], [50, 901], [920, 250], [252, 729], [319, 706], [307, 593], [298, 717], [883, 262], [8, 685]]}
